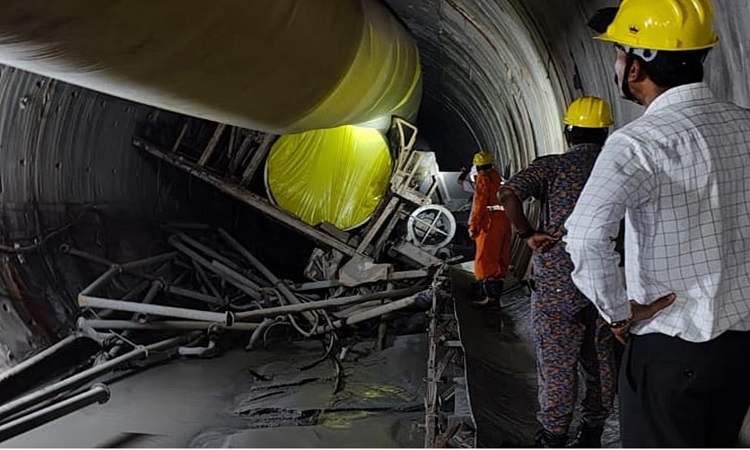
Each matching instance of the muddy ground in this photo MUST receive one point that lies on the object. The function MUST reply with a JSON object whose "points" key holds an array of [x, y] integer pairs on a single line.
{"points": [[258, 399]]}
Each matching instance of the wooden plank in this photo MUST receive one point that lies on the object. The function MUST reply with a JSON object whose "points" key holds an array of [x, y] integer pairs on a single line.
{"points": [[258, 157], [385, 213], [235, 162], [211, 145], [180, 137], [232, 139]]}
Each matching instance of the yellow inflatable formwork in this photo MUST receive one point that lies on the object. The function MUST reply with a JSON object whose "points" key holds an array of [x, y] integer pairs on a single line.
{"points": [[336, 175]]}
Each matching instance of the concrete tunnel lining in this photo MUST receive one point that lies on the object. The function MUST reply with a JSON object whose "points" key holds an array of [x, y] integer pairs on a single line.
{"points": [[498, 72]]}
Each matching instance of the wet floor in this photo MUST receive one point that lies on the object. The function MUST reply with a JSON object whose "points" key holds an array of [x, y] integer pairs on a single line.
{"points": [[258, 399]]}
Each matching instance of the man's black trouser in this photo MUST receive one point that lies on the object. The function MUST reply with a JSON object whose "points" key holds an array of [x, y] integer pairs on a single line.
{"points": [[675, 393]]}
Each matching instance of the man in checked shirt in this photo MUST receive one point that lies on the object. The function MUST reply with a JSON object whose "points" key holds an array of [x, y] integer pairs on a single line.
{"points": [[566, 327], [680, 176]]}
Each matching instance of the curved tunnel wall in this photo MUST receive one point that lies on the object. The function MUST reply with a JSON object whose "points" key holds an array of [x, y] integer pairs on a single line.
{"points": [[67, 165], [497, 74], [501, 72], [486, 67]]}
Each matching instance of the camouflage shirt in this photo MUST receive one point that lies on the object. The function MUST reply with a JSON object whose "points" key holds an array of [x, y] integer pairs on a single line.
{"points": [[557, 181]]}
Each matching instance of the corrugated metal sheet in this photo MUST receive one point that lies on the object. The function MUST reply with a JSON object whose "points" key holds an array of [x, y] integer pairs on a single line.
{"points": [[64, 150]]}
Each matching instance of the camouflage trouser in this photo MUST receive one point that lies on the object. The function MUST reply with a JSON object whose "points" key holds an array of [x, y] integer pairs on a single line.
{"points": [[568, 331]]}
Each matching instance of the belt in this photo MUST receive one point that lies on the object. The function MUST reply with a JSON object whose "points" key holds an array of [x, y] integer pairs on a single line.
{"points": [[495, 208]]}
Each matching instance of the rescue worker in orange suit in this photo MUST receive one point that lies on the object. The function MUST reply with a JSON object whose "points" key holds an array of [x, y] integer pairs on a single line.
{"points": [[567, 329], [490, 229]]}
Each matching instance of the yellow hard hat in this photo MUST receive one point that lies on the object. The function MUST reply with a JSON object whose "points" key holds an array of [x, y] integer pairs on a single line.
{"points": [[589, 112], [671, 25], [483, 158]]}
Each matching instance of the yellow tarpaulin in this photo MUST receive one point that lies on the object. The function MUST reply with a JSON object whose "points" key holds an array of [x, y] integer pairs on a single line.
{"points": [[335, 175]]}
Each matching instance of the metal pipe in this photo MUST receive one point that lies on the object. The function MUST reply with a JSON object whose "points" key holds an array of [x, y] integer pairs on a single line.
{"points": [[156, 286], [112, 271], [166, 325], [207, 250], [228, 271], [91, 333], [207, 264], [49, 351], [98, 393], [199, 351], [65, 248], [356, 308], [258, 333], [205, 279], [182, 292], [153, 291], [275, 281], [148, 261], [328, 284], [249, 256], [87, 375], [369, 314], [105, 262], [158, 310], [288, 309]]}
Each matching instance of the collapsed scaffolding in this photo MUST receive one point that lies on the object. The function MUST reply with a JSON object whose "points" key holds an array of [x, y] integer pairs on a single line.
{"points": [[210, 286]]}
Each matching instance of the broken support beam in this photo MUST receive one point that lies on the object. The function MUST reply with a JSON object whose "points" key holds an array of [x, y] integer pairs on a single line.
{"points": [[207, 250], [211, 146], [165, 325], [180, 137], [238, 157], [258, 156], [249, 198], [341, 301], [233, 280], [157, 310], [369, 314], [103, 278], [384, 215], [328, 284], [182, 292], [255, 262]]}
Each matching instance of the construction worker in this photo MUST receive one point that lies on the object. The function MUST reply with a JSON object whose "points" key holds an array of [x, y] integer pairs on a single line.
{"points": [[566, 327], [680, 176], [490, 229]]}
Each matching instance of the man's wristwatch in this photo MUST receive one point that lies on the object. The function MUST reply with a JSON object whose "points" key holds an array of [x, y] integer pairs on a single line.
{"points": [[526, 234]]}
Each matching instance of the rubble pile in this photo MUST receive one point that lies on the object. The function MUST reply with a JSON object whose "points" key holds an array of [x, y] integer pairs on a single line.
{"points": [[212, 283]]}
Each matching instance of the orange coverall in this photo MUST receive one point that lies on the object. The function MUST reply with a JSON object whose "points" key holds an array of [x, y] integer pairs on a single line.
{"points": [[491, 229]]}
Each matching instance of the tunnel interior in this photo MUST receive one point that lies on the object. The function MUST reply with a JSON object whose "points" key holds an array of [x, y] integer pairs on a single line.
{"points": [[497, 75]]}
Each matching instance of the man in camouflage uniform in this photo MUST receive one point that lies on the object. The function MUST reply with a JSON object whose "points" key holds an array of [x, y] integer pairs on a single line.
{"points": [[567, 328]]}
